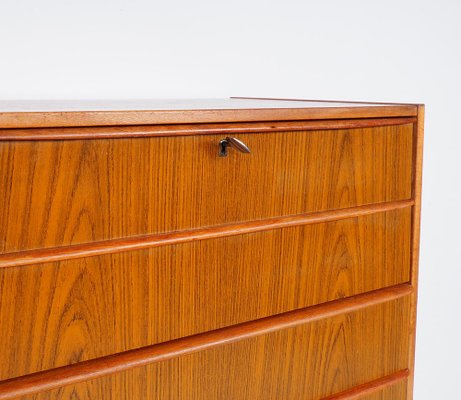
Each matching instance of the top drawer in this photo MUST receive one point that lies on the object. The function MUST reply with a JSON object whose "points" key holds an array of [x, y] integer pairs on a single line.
{"points": [[75, 191]]}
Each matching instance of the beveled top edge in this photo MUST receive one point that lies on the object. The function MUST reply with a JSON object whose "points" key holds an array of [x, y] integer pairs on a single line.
{"points": [[65, 113], [232, 103], [343, 102]]}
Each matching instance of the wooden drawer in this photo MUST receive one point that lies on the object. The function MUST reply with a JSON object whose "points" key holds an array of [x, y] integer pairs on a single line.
{"points": [[396, 391], [58, 193], [135, 263], [349, 350], [60, 313]]}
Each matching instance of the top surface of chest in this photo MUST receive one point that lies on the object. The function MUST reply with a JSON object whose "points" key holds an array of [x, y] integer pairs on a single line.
{"points": [[36, 114]]}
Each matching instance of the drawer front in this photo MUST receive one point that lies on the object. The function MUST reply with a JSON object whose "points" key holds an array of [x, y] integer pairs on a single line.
{"points": [[308, 362], [77, 191], [59, 313], [393, 392]]}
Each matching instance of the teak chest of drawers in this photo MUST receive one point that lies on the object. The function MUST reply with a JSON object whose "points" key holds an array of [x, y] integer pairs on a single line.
{"points": [[209, 249]]}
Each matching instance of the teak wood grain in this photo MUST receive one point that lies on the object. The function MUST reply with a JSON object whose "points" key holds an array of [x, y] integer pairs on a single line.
{"points": [[416, 218], [99, 367], [393, 392], [96, 113], [137, 264], [53, 254], [68, 192], [349, 350], [114, 132], [82, 309], [375, 389]]}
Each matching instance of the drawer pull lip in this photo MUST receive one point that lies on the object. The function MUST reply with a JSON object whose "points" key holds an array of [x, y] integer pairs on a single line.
{"points": [[106, 365], [232, 142], [90, 249]]}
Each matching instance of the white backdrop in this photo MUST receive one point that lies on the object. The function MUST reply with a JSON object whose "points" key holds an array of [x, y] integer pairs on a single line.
{"points": [[394, 50]]}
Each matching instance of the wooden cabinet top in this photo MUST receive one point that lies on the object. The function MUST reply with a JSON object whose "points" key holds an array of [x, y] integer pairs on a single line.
{"points": [[70, 113]]}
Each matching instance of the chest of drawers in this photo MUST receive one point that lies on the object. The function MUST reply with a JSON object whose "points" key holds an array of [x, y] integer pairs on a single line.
{"points": [[209, 249]]}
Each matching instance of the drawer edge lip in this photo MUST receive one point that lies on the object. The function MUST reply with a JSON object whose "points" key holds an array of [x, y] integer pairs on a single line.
{"points": [[370, 387], [156, 117], [144, 131], [91, 249], [107, 365]]}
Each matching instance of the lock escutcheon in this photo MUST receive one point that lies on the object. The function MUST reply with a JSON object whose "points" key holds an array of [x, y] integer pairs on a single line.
{"points": [[232, 142]]}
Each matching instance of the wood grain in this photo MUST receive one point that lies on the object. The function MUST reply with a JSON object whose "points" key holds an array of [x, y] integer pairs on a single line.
{"points": [[143, 266], [349, 349], [397, 391], [29, 114], [416, 221], [372, 388], [116, 132], [53, 254], [61, 313], [394, 392], [59, 193]]}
